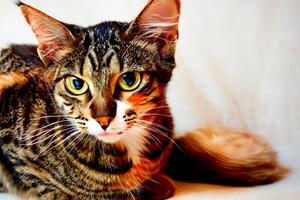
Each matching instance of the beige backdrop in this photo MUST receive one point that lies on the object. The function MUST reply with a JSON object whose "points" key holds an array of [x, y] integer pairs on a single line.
{"points": [[238, 66]]}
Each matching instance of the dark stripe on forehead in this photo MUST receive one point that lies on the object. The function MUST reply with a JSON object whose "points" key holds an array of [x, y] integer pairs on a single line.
{"points": [[87, 40], [81, 69], [111, 51], [109, 57], [93, 60]]}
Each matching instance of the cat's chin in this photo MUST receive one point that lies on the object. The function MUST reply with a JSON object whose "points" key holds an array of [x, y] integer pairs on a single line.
{"points": [[109, 137]]}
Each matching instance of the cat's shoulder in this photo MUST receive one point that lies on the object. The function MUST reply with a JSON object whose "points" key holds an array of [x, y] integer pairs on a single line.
{"points": [[19, 57]]}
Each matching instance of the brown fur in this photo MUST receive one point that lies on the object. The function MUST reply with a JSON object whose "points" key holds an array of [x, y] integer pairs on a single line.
{"points": [[14, 79], [51, 143]]}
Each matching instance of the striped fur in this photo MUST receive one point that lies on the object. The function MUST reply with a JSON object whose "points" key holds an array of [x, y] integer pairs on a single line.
{"points": [[53, 145]]}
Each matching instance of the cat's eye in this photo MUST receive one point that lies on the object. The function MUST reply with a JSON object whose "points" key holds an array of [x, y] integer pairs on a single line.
{"points": [[75, 85], [129, 80]]}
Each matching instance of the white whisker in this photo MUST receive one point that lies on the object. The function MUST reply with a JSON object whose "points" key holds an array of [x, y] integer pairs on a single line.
{"points": [[152, 127], [36, 141], [72, 133], [156, 114], [51, 124]]}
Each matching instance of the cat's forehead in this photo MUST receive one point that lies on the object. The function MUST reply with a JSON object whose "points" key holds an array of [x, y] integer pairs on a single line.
{"points": [[106, 31], [106, 45], [104, 52]]}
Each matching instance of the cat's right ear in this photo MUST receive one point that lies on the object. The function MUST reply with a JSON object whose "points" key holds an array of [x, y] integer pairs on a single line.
{"points": [[55, 40]]}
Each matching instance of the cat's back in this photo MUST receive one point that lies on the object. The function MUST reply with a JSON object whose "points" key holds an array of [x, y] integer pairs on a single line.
{"points": [[21, 83], [19, 58]]}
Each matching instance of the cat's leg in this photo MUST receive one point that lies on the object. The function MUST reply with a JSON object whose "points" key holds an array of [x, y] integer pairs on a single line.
{"points": [[35, 187], [30, 186], [159, 187], [27, 185]]}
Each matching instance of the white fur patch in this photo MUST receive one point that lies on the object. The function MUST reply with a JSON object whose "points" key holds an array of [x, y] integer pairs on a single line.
{"points": [[94, 127], [133, 139]]}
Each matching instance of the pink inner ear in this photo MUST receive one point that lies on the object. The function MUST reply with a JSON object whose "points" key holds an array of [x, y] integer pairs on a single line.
{"points": [[161, 14], [55, 40]]}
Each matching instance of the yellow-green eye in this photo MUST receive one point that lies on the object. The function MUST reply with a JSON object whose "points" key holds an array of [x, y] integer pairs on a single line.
{"points": [[75, 85], [129, 81]]}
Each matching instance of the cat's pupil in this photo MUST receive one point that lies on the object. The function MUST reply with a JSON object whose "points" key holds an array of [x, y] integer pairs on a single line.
{"points": [[129, 78], [77, 83]]}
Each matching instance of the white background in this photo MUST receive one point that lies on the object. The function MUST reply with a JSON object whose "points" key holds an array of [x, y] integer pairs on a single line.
{"points": [[238, 60]]}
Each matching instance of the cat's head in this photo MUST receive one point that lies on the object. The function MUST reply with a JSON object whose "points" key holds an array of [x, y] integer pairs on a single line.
{"points": [[108, 78]]}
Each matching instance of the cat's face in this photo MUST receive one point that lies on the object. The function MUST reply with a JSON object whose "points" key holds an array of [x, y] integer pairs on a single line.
{"points": [[109, 80], [109, 88]]}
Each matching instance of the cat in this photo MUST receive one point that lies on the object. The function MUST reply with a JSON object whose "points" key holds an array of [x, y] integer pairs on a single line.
{"points": [[84, 115]]}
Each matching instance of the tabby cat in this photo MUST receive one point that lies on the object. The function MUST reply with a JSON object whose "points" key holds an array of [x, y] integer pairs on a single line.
{"points": [[84, 115]]}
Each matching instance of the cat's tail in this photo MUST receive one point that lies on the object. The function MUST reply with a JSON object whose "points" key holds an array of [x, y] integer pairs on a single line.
{"points": [[224, 156]]}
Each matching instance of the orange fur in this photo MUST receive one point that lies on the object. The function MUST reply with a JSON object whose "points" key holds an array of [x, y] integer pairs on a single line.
{"points": [[11, 79], [136, 99], [227, 156], [144, 170]]}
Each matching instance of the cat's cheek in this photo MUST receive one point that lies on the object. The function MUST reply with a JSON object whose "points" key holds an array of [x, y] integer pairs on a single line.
{"points": [[59, 101]]}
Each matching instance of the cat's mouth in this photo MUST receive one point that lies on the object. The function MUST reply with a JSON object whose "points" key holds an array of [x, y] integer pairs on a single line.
{"points": [[108, 135]]}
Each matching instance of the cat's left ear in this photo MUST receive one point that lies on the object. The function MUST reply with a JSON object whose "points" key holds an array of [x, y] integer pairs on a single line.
{"points": [[158, 22], [55, 39]]}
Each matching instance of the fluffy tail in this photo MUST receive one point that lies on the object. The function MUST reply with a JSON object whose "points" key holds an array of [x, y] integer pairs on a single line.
{"points": [[224, 156]]}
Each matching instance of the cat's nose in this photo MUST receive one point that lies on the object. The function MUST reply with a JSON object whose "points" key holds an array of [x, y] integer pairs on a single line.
{"points": [[104, 121]]}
